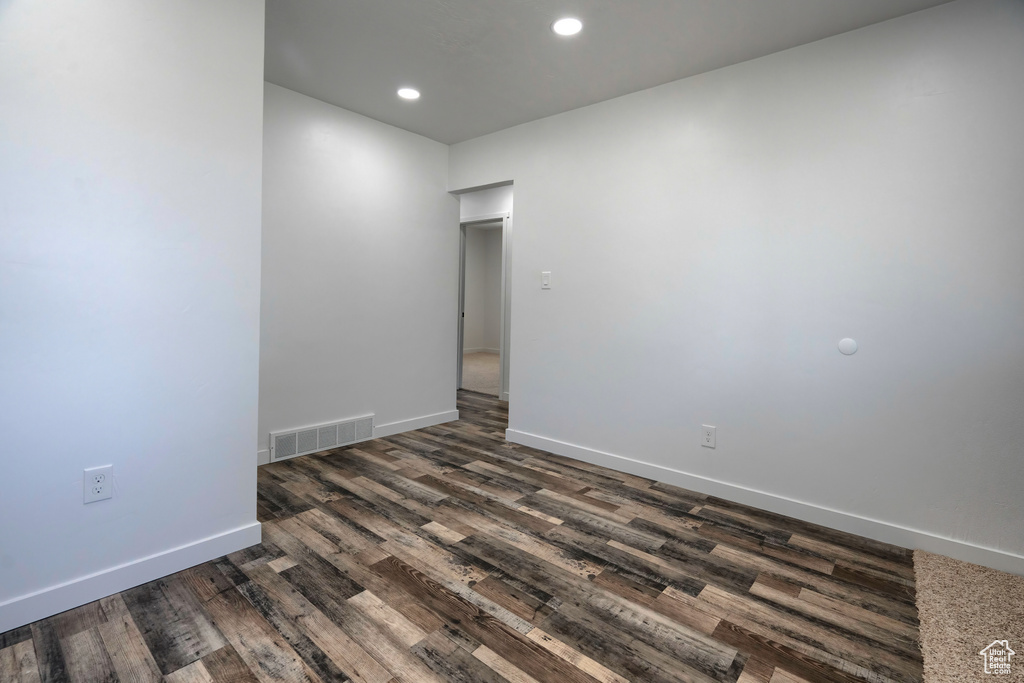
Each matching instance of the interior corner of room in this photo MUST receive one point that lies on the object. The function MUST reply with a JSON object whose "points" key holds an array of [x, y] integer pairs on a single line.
{"points": [[185, 279]]}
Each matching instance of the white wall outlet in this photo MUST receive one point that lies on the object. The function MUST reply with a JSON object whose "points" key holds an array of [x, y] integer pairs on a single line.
{"points": [[97, 483], [707, 436]]}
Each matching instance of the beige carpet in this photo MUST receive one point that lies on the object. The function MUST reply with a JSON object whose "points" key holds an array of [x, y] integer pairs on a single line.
{"points": [[963, 609], [480, 372]]}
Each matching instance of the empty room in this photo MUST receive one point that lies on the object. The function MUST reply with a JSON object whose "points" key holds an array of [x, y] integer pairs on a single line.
{"points": [[423, 341]]}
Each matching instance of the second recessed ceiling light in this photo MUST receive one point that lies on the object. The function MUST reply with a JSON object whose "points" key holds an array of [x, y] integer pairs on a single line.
{"points": [[409, 93], [569, 26]]}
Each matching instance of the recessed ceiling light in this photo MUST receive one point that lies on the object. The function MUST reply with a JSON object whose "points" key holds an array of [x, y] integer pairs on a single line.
{"points": [[568, 26], [409, 93]]}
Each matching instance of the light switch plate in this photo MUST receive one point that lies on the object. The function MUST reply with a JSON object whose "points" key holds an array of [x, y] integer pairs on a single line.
{"points": [[545, 279]]}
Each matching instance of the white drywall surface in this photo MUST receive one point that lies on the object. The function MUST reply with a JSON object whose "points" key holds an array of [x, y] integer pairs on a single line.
{"points": [[713, 239], [130, 161], [360, 269], [483, 290]]}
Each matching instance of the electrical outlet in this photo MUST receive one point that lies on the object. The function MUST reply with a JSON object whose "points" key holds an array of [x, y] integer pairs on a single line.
{"points": [[707, 436], [97, 483]]}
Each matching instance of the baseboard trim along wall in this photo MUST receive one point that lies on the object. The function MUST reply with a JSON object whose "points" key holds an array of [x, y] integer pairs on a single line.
{"points": [[843, 521], [56, 599], [415, 423]]}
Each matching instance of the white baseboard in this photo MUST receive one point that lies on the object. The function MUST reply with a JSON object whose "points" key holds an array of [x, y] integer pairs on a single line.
{"points": [[415, 423], [879, 530], [263, 457], [56, 599], [480, 350]]}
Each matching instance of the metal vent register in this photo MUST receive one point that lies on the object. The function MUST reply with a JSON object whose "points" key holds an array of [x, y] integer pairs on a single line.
{"points": [[294, 442]]}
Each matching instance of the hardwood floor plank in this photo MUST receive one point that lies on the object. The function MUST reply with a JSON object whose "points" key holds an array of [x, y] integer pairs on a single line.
{"points": [[643, 624], [501, 666], [829, 586], [388, 619], [88, 661], [780, 655], [331, 623], [605, 526], [172, 622], [609, 580], [463, 588], [864, 546], [195, 672], [25, 660], [262, 648], [49, 655], [774, 583], [125, 645], [883, 637], [866, 579], [67, 624], [595, 507], [577, 659], [535, 660], [899, 628], [15, 636], [206, 580], [392, 596], [8, 666], [225, 666], [514, 600], [783, 676], [615, 649], [635, 566], [283, 621], [569, 561], [452, 663], [18, 663], [685, 614], [839, 552], [756, 671], [442, 533], [774, 635], [816, 634]]}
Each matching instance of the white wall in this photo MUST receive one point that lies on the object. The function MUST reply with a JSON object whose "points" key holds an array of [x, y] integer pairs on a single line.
{"points": [[360, 271], [482, 330], [492, 289], [130, 153], [712, 239]]}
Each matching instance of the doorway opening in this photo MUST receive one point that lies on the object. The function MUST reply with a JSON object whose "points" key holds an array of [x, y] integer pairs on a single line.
{"points": [[483, 357]]}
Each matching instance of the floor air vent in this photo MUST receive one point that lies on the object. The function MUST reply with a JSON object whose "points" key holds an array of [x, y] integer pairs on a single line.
{"points": [[293, 442]]}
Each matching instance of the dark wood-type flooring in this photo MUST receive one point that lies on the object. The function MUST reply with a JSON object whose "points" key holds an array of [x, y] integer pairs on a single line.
{"points": [[448, 554]]}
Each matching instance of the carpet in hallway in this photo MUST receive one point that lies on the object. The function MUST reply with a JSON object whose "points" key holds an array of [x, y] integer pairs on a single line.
{"points": [[480, 373]]}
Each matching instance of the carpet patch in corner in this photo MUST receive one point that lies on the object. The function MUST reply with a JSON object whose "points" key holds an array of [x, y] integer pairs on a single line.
{"points": [[965, 608]]}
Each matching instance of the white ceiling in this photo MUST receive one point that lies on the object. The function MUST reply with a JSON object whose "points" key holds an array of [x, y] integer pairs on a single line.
{"points": [[485, 65]]}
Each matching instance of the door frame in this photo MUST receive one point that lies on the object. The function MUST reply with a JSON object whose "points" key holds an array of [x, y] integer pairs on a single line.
{"points": [[505, 335]]}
